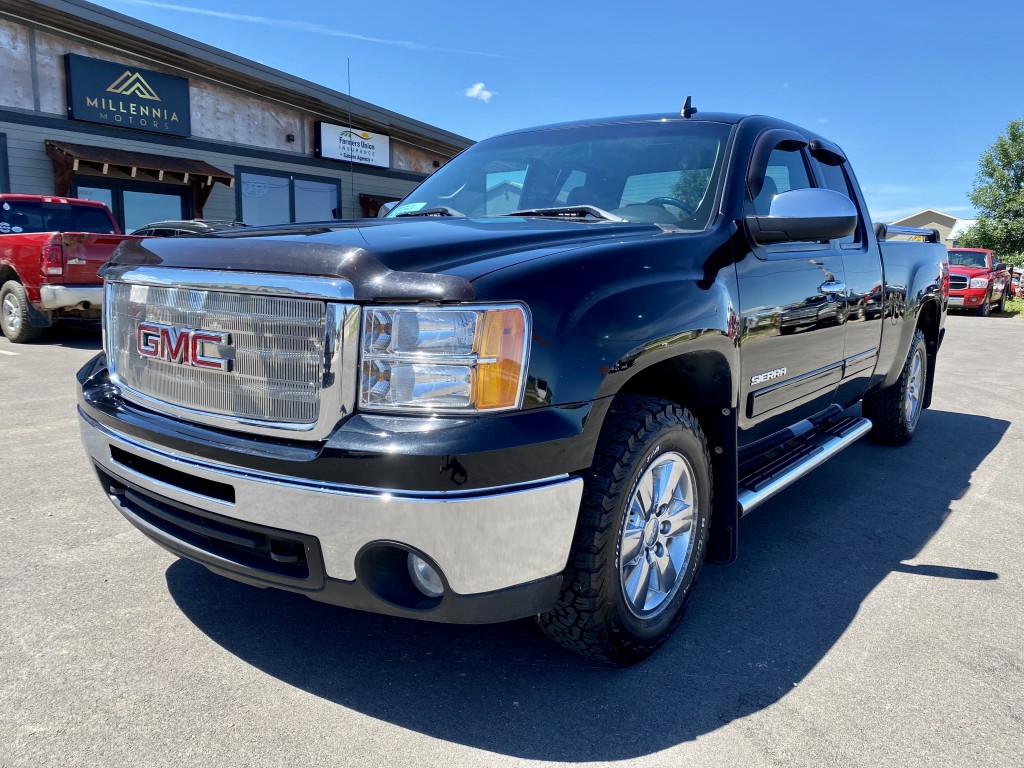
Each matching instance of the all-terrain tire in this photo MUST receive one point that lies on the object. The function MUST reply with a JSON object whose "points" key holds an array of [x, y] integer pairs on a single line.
{"points": [[14, 308], [594, 616], [895, 412]]}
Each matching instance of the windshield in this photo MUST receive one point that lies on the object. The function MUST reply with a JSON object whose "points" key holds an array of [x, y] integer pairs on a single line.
{"points": [[974, 259], [663, 172], [38, 216]]}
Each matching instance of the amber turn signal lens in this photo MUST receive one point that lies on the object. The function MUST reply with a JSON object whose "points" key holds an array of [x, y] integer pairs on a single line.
{"points": [[500, 349]]}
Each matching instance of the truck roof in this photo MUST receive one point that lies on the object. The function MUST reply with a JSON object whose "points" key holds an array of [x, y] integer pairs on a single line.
{"points": [[705, 117], [51, 199], [728, 118]]}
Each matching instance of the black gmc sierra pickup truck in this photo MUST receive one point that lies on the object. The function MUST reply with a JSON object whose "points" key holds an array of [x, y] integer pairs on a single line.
{"points": [[549, 383]]}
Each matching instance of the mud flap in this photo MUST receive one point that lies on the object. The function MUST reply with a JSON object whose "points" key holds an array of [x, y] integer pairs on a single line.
{"points": [[723, 541], [39, 318]]}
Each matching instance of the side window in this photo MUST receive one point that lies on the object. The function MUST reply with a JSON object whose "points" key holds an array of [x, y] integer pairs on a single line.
{"points": [[836, 179], [786, 170]]}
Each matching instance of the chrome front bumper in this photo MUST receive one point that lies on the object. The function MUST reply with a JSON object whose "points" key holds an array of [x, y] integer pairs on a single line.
{"points": [[67, 296], [482, 542]]}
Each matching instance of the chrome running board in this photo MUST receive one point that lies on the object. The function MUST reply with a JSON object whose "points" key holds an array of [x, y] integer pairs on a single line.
{"points": [[757, 488]]}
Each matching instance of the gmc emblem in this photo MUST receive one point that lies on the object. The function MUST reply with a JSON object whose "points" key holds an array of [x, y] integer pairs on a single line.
{"points": [[183, 346]]}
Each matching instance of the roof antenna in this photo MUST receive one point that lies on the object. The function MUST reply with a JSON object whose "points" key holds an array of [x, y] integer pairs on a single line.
{"points": [[688, 109]]}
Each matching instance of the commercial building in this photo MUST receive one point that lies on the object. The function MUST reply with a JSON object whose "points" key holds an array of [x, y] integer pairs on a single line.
{"points": [[99, 105]]}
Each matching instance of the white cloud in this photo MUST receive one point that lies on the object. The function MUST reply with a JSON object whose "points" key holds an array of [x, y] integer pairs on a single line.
{"points": [[299, 26], [479, 91]]}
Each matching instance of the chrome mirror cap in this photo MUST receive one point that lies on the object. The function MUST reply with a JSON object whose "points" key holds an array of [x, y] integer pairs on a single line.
{"points": [[804, 215]]}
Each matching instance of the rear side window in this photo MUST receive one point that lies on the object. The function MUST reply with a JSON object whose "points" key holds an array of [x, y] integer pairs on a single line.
{"points": [[31, 216]]}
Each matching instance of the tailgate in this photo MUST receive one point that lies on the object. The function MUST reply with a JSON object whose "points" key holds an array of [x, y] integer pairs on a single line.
{"points": [[85, 253]]}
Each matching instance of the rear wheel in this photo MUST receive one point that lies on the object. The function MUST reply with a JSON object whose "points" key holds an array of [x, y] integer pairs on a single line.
{"points": [[14, 314], [894, 412], [641, 535]]}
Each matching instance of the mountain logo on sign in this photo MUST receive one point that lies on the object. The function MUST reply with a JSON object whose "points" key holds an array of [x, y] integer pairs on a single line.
{"points": [[133, 84]]}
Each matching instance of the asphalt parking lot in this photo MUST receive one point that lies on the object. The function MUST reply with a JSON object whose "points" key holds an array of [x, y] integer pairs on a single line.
{"points": [[875, 618]]}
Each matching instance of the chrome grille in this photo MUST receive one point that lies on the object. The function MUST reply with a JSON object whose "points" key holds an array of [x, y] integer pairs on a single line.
{"points": [[278, 348], [957, 282]]}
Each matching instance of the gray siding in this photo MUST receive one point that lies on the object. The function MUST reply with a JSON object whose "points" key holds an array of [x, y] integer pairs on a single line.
{"points": [[31, 171]]}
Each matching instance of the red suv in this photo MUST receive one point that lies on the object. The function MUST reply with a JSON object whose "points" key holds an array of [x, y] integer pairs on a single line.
{"points": [[977, 280]]}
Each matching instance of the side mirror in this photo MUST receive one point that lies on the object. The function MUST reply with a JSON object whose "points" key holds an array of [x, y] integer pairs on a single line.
{"points": [[804, 214], [1000, 266], [385, 208]]}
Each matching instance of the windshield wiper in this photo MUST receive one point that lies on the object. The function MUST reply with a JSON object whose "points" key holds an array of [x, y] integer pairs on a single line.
{"points": [[441, 210], [568, 212]]}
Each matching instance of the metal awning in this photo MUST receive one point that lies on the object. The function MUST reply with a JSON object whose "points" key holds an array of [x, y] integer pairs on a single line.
{"points": [[68, 159]]}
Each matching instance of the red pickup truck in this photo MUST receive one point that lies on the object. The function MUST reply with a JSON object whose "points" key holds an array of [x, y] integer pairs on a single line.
{"points": [[50, 251], [977, 280]]}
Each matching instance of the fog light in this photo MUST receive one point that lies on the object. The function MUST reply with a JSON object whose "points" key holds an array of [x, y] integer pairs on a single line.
{"points": [[426, 579]]}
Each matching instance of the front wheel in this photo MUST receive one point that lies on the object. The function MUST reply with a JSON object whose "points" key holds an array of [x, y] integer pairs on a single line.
{"points": [[641, 535], [894, 412], [986, 306]]}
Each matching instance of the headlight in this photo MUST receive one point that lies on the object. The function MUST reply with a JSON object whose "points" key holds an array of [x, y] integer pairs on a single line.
{"points": [[443, 359], [979, 282]]}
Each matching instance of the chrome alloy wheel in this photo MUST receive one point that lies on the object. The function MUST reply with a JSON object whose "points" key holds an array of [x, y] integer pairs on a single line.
{"points": [[656, 540], [12, 313], [915, 388]]}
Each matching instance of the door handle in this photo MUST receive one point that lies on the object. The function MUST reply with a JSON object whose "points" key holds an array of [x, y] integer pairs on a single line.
{"points": [[832, 286]]}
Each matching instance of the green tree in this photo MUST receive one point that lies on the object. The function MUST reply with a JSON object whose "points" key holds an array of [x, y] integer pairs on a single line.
{"points": [[998, 194], [998, 236]]}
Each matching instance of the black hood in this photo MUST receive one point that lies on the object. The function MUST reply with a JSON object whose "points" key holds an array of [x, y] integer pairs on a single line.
{"points": [[405, 258]]}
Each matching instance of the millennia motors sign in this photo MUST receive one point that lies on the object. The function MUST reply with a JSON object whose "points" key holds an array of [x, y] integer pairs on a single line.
{"points": [[128, 97], [338, 142]]}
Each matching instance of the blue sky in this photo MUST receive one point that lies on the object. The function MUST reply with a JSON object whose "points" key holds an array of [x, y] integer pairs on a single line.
{"points": [[913, 91]]}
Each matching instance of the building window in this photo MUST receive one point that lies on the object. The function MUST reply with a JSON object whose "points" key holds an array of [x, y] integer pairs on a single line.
{"points": [[315, 200], [136, 204], [272, 198]]}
